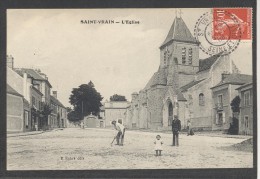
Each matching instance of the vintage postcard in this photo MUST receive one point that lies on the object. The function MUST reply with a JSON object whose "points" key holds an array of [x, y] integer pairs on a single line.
{"points": [[108, 89]]}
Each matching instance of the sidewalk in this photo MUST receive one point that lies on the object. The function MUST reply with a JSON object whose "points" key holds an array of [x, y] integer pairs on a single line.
{"points": [[30, 133]]}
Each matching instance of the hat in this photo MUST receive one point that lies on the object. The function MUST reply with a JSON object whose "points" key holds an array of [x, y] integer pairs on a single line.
{"points": [[158, 136], [113, 122]]}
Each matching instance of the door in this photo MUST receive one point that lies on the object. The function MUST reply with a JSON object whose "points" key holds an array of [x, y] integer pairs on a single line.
{"points": [[246, 124]]}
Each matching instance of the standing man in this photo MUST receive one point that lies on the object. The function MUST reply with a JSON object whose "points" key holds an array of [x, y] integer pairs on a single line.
{"points": [[176, 127], [120, 134]]}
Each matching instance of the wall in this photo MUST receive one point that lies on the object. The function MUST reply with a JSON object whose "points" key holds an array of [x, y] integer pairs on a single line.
{"points": [[200, 116], [155, 105], [15, 113], [246, 111]]}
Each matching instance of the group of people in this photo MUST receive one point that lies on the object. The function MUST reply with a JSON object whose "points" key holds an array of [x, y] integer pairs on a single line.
{"points": [[176, 128]]}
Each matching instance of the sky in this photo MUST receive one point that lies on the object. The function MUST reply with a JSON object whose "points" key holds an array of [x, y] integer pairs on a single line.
{"points": [[117, 58]]}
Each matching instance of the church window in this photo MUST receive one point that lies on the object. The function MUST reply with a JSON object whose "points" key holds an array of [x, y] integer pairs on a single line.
{"points": [[165, 57], [183, 54], [201, 99], [190, 55]]}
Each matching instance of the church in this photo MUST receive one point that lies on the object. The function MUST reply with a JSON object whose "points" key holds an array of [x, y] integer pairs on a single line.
{"points": [[181, 86]]}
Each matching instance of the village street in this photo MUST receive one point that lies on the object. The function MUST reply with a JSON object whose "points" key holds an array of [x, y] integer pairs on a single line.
{"points": [[75, 148]]}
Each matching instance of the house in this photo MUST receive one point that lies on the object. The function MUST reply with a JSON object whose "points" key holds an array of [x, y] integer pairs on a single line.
{"points": [[115, 110], [223, 94], [18, 111], [40, 82], [58, 117], [246, 117], [36, 107]]}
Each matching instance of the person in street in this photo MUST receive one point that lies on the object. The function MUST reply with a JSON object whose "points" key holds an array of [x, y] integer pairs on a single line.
{"points": [[158, 145], [188, 127], [176, 127], [120, 132]]}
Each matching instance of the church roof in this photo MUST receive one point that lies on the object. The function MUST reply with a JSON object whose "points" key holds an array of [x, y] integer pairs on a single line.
{"points": [[205, 64], [191, 84], [179, 32], [158, 78], [235, 79]]}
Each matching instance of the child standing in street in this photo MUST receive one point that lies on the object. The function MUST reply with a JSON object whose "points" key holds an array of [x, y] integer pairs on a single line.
{"points": [[158, 145]]}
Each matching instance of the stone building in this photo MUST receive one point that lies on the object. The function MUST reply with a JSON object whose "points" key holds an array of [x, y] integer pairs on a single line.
{"points": [[115, 110], [246, 109], [58, 117], [181, 86], [18, 111], [222, 95]]}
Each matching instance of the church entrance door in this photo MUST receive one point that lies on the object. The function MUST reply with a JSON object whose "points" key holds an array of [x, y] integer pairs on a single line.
{"points": [[170, 114]]}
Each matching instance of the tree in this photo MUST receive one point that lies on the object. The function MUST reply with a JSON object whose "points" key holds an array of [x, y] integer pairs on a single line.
{"points": [[117, 97], [46, 111], [85, 100], [235, 103]]}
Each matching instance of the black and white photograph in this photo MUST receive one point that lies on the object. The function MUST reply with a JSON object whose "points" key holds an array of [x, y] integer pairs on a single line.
{"points": [[133, 88]]}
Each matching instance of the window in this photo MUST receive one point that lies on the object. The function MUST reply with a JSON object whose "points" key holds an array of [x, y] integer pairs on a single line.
{"points": [[40, 105], [183, 54], [246, 122], [33, 101], [166, 56], [247, 100], [201, 99], [220, 118], [220, 99], [190, 55]]}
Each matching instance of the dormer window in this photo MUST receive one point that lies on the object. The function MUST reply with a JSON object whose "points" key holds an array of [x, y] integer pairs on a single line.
{"points": [[183, 54], [190, 55]]}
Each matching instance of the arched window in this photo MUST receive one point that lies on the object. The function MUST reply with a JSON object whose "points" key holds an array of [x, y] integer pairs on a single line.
{"points": [[190, 55], [201, 99], [183, 54]]}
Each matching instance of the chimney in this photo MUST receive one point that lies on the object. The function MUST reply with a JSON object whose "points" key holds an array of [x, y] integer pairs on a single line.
{"points": [[10, 61], [224, 75], [55, 94]]}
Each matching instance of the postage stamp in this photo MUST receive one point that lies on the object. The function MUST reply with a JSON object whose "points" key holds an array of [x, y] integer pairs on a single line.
{"points": [[216, 36], [232, 23]]}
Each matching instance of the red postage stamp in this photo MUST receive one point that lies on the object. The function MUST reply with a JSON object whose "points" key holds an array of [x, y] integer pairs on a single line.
{"points": [[232, 24]]}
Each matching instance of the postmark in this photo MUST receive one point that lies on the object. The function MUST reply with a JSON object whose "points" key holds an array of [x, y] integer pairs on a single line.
{"points": [[227, 37]]}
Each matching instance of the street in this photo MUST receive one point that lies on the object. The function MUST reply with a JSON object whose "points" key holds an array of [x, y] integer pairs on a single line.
{"points": [[79, 149]]}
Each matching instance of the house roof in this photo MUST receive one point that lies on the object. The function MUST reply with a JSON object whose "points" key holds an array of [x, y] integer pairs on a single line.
{"points": [[235, 79], [205, 64], [179, 32], [32, 73], [12, 91], [56, 101], [191, 84], [244, 85], [158, 78]]}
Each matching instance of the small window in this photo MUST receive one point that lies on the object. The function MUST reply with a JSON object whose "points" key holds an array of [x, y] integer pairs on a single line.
{"points": [[33, 101], [190, 55], [201, 99], [183, 55], [247, 100]]}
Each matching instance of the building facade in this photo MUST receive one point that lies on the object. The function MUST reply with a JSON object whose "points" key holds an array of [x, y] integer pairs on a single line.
{"points": [[115, 110], [18, 111], [246, 117], [223, 94]]}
